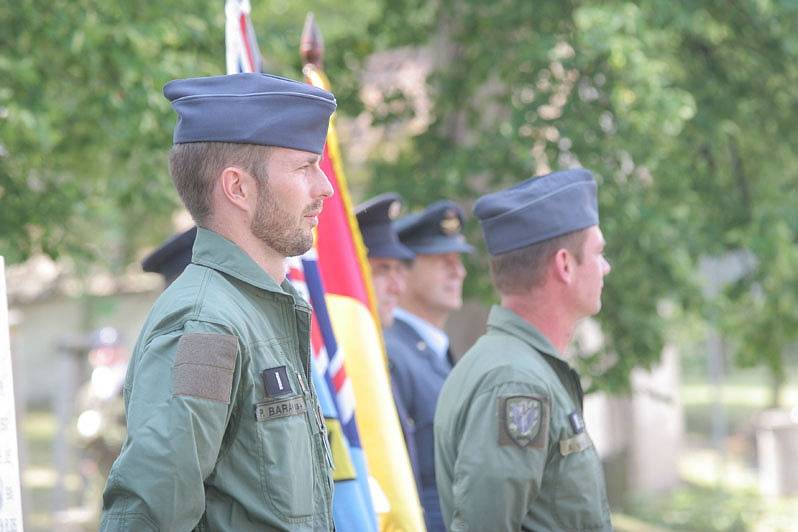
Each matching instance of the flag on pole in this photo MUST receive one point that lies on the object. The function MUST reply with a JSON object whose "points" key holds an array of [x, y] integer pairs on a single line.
{"points": [[241, 46], [352, 507], [361, 376]]}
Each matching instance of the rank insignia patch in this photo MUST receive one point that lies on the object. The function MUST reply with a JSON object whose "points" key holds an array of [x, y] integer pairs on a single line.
{"points": [[276, 382], [524, 421], [576, 421]]}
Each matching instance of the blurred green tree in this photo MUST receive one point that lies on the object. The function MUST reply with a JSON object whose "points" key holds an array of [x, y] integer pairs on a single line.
{"points": [[685, 112], [84, 129], [683, 109]]}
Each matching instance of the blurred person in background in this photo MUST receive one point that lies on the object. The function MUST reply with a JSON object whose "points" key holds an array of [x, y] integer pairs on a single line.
{"points": [[418, 347], [512, 452], [172, 257], [388, 257], [388, 260], [101, 415]]}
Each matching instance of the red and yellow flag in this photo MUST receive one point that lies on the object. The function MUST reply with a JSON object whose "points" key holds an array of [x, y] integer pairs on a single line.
{"points": [[350, 300]]}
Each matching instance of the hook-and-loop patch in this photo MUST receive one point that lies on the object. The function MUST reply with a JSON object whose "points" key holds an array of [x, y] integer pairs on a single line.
{"points": [[204, 366]]}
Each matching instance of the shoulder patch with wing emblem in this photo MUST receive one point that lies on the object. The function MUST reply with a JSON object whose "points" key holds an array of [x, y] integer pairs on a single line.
{"points": [[523, 421]]}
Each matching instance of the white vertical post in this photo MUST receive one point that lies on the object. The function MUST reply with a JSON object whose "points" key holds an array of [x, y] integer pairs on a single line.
{"points": [[10, 494]]}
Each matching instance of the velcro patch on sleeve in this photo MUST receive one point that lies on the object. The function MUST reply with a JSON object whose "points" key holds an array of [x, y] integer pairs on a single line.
{"points": [[204, 366]]}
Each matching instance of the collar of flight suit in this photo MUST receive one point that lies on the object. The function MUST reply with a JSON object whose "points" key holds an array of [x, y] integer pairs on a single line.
{"points": [[508, 321], [215, 251]]}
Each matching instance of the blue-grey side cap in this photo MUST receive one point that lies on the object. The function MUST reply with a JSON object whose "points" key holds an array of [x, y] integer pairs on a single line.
{"points": [[538, 209], [172, 257], [435, 230], [251, 109], [375, 218]]}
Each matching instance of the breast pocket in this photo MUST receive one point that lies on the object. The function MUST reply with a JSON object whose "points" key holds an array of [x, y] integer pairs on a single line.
{"points": [[580, 494], [285, 435]]}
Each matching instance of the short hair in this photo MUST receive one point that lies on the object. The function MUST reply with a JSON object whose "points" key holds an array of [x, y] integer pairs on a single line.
{"points": [[194, 167], [519, 270]]}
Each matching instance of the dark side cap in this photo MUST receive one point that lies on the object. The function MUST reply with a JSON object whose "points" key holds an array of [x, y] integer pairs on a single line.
{"points": [[435, 230], [538, 209], [375, 218], [172, 257], [251, 108]]}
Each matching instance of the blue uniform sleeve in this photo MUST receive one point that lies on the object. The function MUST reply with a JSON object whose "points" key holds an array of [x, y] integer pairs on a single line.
{"points": [[178, 403]]}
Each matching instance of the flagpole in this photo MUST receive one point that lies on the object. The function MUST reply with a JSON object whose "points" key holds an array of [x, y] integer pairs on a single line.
{"points": [[311, 49]]}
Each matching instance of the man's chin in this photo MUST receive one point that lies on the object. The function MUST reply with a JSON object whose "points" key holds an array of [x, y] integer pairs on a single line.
{"points": [[455, 303], [306, 244], [296, 250]]}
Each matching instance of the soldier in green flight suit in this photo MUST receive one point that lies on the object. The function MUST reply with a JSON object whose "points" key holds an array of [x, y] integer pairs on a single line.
{"points": [[511, 448], [224, 428]]}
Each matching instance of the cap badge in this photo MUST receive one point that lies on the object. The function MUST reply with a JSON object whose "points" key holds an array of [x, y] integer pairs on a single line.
{"points": [[394, 209], [450, 224]]}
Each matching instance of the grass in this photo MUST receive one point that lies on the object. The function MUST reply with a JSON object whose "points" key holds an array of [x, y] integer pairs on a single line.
{"points": [[720, 490], [40, 479]]}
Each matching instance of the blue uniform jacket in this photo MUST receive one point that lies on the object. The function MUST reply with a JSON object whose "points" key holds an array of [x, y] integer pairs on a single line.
{"points": [[418, 375]]}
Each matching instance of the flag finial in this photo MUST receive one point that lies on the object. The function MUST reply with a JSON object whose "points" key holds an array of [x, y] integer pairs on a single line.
{"points": [[311, 45]]}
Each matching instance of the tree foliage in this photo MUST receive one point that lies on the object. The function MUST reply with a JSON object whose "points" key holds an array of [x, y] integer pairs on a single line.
{"points": [[684, 112], [84, 128], [682, 109]]}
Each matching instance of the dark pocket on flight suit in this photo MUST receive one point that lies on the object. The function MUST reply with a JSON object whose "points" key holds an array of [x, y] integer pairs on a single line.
{"points": [[284, 429], [580, 495]]}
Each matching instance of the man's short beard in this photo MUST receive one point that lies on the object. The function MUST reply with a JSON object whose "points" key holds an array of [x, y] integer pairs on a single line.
{"points": [[274, 226]]}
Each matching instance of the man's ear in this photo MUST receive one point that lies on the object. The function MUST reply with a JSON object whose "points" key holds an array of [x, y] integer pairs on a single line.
{"points": [[562, 265], [238, 187]]}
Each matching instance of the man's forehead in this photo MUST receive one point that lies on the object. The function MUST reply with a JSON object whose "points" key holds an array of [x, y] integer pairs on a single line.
{"points": [[385, 261], [291, 155], [437, 259], [595, 234]]}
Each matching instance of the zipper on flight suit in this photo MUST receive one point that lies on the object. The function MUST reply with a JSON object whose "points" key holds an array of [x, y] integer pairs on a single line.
{"points": [[303, 344]]}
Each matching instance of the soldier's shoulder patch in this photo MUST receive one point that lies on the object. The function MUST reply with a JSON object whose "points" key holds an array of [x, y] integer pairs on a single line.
{"points": [[523, 421]]}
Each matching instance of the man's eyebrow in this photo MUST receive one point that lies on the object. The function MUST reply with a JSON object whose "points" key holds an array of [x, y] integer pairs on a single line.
{"points": [[303, 159]]}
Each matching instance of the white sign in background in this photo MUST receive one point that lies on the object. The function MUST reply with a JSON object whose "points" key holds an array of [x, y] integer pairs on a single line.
{"points": [[10, 498]]}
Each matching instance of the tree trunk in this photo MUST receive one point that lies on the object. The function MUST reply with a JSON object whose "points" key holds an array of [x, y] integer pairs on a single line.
{"points": [[777, 381]]}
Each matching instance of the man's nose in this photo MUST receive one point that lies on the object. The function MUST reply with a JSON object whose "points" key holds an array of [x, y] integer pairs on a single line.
{"points": [[607, 266], [324, 187], [396, 282]]}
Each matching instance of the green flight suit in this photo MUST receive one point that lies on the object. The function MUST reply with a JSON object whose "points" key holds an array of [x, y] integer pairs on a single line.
{"points": [[511, 452], [224, 428]]}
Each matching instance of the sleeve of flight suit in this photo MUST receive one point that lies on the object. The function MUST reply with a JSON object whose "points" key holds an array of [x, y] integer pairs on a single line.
{"points": [[178, 405], [496, 478]]}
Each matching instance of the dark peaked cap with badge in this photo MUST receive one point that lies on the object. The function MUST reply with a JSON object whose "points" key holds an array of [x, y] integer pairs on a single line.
{"points": [[172, 257], [251, 109], [375, 218], [538, 209], [435, 230]]}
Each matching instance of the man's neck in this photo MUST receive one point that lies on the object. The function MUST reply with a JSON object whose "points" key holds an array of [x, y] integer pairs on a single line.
{"points": [[546, 314], [436, 318], [272, 262]]}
